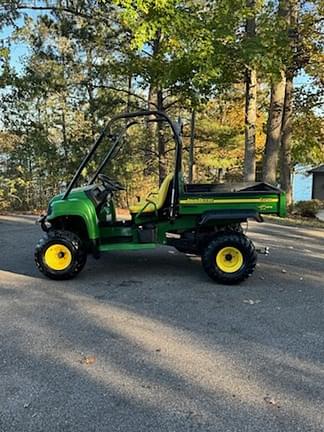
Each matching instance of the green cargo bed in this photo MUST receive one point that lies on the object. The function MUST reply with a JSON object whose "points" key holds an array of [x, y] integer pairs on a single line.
{"points": [[257, 196]]}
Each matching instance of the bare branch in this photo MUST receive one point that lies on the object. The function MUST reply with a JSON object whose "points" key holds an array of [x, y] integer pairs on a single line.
{"points": [[62, 9], [129, 93], [146, 150], [169, 105], [55, 9]]}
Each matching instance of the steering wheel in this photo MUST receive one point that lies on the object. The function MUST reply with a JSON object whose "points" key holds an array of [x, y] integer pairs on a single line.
{"points": [[109, 183]]}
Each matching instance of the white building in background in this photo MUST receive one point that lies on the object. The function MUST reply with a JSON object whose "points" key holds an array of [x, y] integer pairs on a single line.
{"points": [[302, 183]]}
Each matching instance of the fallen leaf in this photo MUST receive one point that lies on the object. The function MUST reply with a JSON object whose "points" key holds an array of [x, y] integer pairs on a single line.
{"points": [[251, 302], [88, 360], [146, 386], [283, 271], [271, 401]]}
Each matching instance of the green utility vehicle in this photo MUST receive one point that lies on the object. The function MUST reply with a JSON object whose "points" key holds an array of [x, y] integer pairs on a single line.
{"points": [[201, 219]]}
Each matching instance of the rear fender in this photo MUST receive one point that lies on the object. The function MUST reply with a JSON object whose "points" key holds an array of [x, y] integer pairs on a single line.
{"points": [[216, 217]]}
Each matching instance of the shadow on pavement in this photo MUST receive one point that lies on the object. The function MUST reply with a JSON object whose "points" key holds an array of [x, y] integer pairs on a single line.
{"points": [[152, 370]]}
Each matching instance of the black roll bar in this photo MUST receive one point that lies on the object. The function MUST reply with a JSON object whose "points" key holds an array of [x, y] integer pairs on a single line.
{"points": [[176, 129], [111, 152]]}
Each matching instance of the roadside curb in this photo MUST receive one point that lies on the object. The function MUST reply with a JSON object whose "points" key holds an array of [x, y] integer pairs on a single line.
{"points": [[316, 224]]}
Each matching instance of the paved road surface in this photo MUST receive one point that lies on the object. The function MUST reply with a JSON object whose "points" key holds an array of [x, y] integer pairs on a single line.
{"points": [[165, 349]]}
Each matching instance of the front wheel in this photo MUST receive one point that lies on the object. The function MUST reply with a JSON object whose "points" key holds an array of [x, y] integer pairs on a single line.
{"points": [[229, 258], [60, 255]]}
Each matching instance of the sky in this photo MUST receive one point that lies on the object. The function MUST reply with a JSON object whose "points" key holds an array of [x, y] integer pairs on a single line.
{"points": [[18, 50]]}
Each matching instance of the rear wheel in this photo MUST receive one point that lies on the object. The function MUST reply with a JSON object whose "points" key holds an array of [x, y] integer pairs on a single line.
{"points": [[60, 255], [229, 258]]}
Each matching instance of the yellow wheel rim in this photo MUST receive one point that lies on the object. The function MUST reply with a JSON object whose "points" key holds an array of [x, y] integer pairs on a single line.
{"points": [[58, 257], [229, 259]]}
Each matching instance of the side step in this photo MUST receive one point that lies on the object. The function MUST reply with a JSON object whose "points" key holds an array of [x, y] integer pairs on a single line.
{"points": [[125, 246]]}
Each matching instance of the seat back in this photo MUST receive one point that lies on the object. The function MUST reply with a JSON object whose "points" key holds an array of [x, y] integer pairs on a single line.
{"points": [[158, 199], [163, 192]]}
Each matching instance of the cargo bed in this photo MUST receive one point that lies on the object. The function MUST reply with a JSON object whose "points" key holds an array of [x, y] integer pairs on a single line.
{"points": [[257, 196]]}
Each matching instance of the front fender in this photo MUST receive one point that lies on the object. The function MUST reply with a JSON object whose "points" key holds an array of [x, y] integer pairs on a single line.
{"points": [[76, 207]]}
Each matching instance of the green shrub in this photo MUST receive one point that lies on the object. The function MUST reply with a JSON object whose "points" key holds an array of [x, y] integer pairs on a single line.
{"points": [[307, 208]]}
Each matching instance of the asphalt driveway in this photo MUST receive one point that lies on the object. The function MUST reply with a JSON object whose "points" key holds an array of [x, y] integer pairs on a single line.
{"points": [[144, 341]]}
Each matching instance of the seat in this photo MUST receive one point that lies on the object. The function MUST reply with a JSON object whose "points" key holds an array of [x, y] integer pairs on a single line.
{"points": [[145, 206]]}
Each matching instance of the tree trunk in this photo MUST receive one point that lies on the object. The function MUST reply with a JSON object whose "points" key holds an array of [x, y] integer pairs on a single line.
{"points": [[250, 105], [250, 124], [64, 135], [150, 151], [286, 132], [161, 140], [285, 166], [273, 141], [272, 146], [92, 109], [129, 88], [90, 90], [151, 105], [192, 144], [154, 101]]}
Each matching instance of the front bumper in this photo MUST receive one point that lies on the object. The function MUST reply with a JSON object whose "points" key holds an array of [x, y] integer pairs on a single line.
{"points": [[43, 223]]}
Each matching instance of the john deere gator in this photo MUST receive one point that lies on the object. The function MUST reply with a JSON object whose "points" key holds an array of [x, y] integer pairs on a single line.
{"points": [[201, 219]]}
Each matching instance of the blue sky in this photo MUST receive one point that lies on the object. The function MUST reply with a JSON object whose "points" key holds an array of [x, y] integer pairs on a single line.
{"points": [[18, 50]]}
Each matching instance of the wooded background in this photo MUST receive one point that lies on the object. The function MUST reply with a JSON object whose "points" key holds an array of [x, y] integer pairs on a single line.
{"points": [[229, 68]]}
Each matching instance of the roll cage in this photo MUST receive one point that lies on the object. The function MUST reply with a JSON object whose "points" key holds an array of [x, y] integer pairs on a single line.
{"points": [[176, 128]]}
